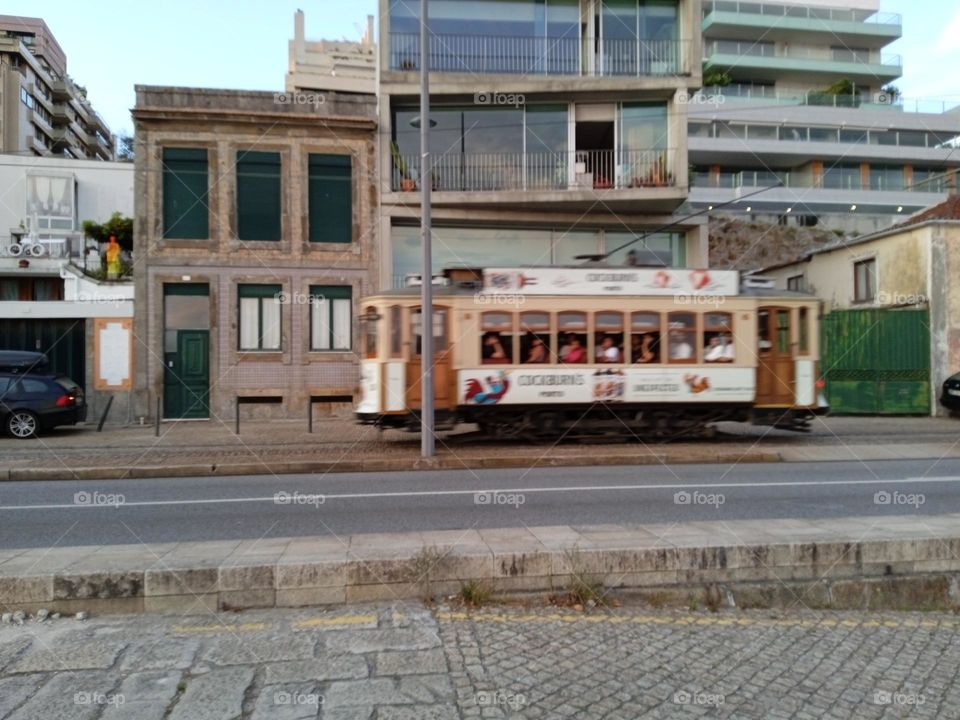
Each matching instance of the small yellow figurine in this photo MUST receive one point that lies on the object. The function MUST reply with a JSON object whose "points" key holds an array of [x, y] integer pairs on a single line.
{"points": [[113, 259]]}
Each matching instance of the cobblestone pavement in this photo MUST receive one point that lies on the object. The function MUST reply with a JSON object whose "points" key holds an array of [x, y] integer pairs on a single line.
{"points": [[404, 661]]}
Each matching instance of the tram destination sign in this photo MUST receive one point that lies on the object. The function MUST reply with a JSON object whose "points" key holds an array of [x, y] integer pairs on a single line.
{"points": [[610, 281]]}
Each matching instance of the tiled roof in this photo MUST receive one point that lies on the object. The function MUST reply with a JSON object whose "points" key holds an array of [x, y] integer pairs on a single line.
{"points": [[949, 209]]}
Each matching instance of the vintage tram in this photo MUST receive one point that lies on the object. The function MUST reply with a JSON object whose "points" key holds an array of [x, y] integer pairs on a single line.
{"points": [[545, 352]]}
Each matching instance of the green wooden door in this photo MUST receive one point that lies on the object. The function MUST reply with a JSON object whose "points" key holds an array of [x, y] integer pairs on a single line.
{"points": [[186, 377], [877, 361]]}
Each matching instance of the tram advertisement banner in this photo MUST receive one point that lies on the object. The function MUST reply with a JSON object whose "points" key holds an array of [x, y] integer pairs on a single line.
{"points": [[610, 281], [491, 386]]}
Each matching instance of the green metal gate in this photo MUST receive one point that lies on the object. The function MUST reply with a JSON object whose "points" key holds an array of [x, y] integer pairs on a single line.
{"points": [[877, 361], [63, 341]]}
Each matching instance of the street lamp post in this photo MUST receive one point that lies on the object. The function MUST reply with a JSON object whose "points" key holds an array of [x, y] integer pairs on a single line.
{"points": [[427, 446]]}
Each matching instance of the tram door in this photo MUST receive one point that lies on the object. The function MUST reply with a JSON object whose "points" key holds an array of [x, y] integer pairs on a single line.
{"points": [[775, 365], [441, 360]]}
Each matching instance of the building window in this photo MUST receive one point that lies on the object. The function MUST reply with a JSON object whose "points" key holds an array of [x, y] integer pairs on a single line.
{"points": [[186, 212], [331, 310], [258, 195], [796, 283], [865, 280], [330, 198], [259, 317]]}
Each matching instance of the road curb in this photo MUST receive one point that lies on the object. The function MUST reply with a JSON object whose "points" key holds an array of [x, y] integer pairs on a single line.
{"points": [[373, 465], [901, 566]]}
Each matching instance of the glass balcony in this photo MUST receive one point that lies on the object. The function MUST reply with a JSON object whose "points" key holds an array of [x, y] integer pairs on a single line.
{"points": [[564, 56]]}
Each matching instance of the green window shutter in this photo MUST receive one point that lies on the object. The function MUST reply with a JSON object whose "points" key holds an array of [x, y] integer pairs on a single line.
{"points": [[330, 198], [186, 212], [258, 195], [259, 291]]}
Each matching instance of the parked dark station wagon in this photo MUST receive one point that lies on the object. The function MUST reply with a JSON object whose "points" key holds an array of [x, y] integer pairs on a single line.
{"points": [[34, 399]]}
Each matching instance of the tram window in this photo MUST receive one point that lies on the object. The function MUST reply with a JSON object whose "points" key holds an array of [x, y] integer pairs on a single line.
{"points": [[763, 332], [804, 331], [645, 337], [496, 343], [718, 338], [608, 337], [572, 331], [783, 331], [396, 331], [439, 330], [682, 329], [371, 323], [535, 337]]}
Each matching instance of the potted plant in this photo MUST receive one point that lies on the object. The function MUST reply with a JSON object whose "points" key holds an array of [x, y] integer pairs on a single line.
{"points": [[407, 183]]}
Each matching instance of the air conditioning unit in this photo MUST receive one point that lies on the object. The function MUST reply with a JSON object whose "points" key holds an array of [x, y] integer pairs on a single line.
{"points": [[15, 250], [36, 250]]}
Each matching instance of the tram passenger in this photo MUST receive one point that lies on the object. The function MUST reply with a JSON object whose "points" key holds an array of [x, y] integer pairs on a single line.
{"points": [[680, 349], [537, 352], [719, 349], [608, 352], [644, 348], [493, 352], [573, 351]]}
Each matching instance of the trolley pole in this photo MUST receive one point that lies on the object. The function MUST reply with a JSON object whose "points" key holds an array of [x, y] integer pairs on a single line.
{"points": [[427, 446]]}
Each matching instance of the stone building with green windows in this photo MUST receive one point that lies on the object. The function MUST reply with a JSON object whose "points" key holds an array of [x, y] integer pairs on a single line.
{"points": [[255, 216]]}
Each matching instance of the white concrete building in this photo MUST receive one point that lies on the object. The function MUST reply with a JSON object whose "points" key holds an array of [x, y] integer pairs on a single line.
{"points": [[50, 297]]}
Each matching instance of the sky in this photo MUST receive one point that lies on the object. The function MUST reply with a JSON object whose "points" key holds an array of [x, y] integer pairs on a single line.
{"points": [[113, 45]]}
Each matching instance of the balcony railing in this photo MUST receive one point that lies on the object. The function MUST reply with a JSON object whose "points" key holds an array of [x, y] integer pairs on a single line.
{"points": [[578, 170], [831, 180], [747, 48], [488, 55], [831, 14], [875, 101]]}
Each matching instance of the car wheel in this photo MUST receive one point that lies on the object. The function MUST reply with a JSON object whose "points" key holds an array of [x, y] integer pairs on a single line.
{"points": [[22, 424]]}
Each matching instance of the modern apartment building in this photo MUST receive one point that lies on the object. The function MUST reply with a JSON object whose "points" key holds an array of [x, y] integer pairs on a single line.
{"points": [[42, 111], [805, 100], [254, 216], [557, 130]]}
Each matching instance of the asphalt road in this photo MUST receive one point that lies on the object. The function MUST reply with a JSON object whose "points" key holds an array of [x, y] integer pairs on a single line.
{"points": [[106, 512]]}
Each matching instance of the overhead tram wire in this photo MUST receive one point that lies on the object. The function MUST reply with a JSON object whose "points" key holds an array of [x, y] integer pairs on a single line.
{"points": [[678, 221]]}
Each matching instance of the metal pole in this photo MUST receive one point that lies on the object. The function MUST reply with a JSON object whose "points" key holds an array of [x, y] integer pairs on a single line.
{"points": [[427, 448], [236, 416], [310, 414], [156, 420]]}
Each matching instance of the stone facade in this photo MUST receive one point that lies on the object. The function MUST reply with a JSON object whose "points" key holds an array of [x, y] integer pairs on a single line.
{"points": [[225, 122]]}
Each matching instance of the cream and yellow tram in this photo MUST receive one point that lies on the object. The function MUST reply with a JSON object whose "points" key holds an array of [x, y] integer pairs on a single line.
{"points": [[543, 352]]}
